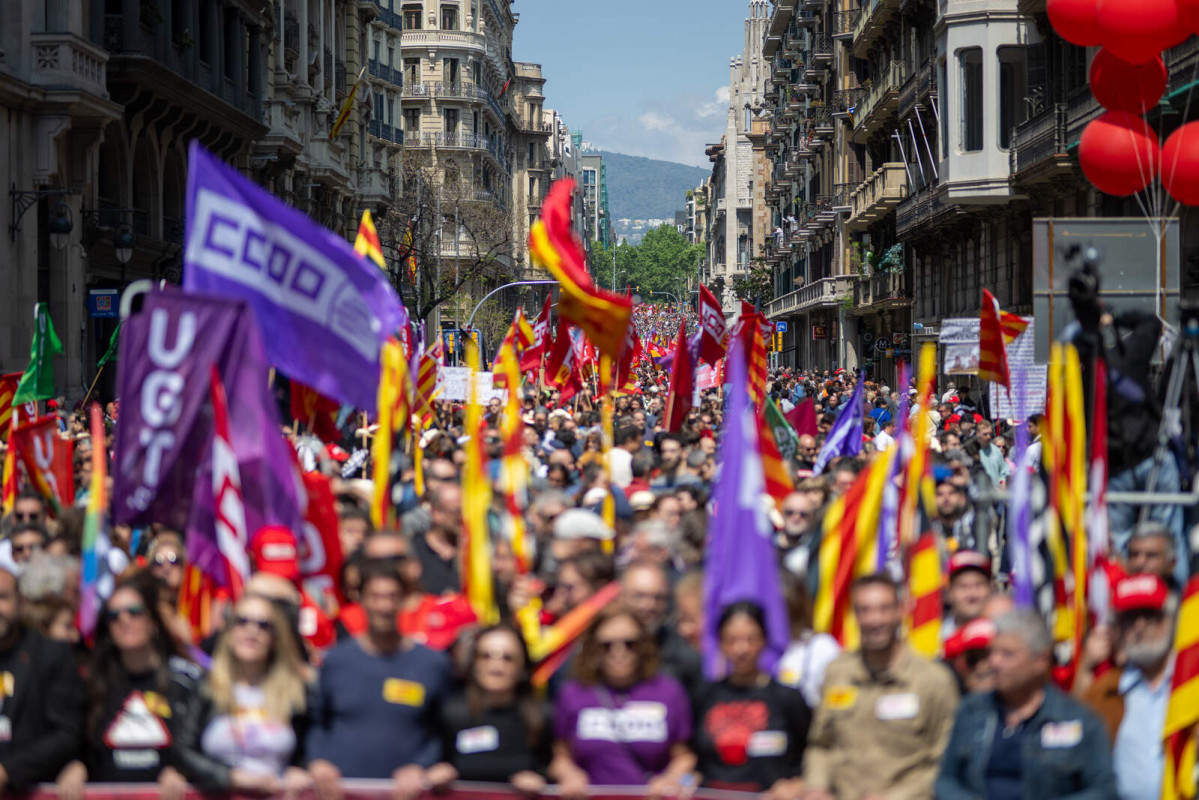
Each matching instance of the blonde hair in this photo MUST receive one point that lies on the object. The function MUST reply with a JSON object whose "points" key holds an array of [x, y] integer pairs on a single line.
{"points": [[283, 685]]}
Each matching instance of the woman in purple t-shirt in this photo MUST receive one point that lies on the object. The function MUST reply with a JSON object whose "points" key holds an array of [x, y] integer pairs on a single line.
{"points": [[620, 723]]}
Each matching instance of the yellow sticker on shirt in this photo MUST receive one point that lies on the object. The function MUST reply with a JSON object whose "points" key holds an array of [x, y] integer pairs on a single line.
{"points": [[404, 693], [9, 684], [159, 706], [839, 698]]}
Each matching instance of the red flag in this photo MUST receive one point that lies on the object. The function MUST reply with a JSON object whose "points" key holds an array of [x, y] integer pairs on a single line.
{"points": [[46, 457], [320, 546], [682, 384], [714, 341], [559, 364], [992, 346], [315, 411], [531, 360], [803, 418], [231, 536], [603, 316]]}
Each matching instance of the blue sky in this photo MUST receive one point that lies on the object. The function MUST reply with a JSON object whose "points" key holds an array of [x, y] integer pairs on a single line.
{"points": [[642, 77]]}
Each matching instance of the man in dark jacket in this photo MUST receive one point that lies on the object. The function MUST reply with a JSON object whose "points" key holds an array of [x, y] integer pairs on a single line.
{"points": [[41, 699], [1025, 739]]}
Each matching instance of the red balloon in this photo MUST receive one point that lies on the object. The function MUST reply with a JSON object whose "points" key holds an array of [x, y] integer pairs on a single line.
{"points": [[1180, 164], [1188, 12], [1119, 153], [1137, 30], [1120, 86], [1074, 21]]}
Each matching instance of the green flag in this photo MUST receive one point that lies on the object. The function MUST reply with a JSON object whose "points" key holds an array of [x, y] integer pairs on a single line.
{"points": [[38, 381], [111, 352], [784, 434]]}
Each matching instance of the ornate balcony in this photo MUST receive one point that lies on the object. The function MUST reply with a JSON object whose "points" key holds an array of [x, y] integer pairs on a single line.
{"points": [[846, 101], [881, 100], [844, 23], [871, 23], [878, 195], [823, 293], [883, 290]]}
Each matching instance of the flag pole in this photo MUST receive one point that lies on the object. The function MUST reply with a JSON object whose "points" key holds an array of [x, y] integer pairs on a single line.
{"points": [[93, 386]]}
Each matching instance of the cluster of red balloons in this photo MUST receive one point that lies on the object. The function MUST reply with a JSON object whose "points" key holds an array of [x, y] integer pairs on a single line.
{"points": [[1119, 152]]}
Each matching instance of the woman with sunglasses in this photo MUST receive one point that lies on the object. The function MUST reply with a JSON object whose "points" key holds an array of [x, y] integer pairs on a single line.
{"points": [[750, 729], [253, 708], [620, 722], [140, 688], [495, 730]]}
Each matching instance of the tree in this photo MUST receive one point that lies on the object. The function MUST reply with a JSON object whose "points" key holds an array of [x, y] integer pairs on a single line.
{"points": [[664, 261], [481, 259], [757, 286]]}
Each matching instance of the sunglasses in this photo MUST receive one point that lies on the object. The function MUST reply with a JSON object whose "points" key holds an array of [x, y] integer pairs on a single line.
{"points": [[263, 625], [976, 657], [133, 612], [162, 559], [611, 644]]}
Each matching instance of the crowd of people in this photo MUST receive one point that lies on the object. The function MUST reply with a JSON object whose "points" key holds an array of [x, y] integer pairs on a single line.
{"points": [[289, 696]]}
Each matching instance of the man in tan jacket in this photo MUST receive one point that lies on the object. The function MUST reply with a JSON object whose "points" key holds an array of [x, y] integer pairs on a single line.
{"points": [[886, 714]]}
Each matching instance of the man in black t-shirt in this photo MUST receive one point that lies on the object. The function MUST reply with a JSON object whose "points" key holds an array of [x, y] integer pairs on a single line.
{"points": [[41, 699]]}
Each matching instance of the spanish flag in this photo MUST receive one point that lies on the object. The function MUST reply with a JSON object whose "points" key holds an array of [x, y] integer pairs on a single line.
{"points": [[996, 331], [367, 243], [1182, 711], [476, 503], [603, 316], [924, 586], [849, 549]]}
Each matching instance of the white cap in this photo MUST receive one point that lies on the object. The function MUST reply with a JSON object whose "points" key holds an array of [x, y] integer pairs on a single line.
{"points": [[579, 523]]}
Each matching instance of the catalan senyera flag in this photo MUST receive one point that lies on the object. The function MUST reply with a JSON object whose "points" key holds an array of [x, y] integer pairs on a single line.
{"points": [[427, 376], [367, 242], [518, 338], [476, 503], [603, 316], [849, 549], [8, 389], [531, 358], [346, 107], [777, 479], [924, 588], [996, 331], [1182, 710], [918, 486], [1065, 459], [395, 412], [514, 468]]}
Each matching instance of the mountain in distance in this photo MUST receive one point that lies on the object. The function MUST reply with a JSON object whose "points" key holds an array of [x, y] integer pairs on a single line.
{"points": [[646, 188]]}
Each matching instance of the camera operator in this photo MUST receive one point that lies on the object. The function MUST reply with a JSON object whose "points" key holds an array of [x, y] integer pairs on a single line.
{"points": [[1126, 340]]}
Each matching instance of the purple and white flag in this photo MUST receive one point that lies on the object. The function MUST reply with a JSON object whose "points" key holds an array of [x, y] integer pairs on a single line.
{"points": [[163, 455], [845, 437], [324, 311]]}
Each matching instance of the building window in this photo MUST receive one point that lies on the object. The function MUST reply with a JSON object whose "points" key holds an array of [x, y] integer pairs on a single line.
{"points": [[449, 18], [451, 120], [376, 58], [449, 70], [391, 104], [391, 56], [412, 19], [1013, 88], [532, 155], [379, 107], [412, 120], [477, 71], [411, 71], [971, 62]]}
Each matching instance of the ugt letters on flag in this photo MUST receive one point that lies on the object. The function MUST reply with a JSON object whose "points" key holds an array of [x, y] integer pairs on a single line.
{"points": [[324, 312]]}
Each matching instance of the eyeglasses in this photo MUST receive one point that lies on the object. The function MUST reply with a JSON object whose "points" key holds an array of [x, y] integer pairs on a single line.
{"points": [[611, 644], [134, 612], [22, 549], [26, 516], [161, 559], [497, 655], [796, 512], [263, 625]]}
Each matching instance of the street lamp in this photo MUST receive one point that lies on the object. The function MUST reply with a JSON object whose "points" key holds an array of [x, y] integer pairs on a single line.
{"points": [[123, 242], [61, 225]]}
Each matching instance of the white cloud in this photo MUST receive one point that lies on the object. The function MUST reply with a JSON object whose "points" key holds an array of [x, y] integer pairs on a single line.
{"points": [[674, 129]]}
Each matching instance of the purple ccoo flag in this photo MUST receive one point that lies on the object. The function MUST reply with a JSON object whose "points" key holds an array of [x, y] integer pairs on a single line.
{"points": [[324, 312], [741, 563], [845, 437]]}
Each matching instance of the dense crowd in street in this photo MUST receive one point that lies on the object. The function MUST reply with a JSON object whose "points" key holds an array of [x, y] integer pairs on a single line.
{"points": [[290, 691]]}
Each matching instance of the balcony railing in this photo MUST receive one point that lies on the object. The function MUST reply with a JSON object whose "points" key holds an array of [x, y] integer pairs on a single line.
{"points": [[882, 99], [886, 188], [818, 294], [892, 288], [467, 91], [1039, 139], [918, 86], [380, 71], [416, 90], [63, 60], [928, 210], [822, 47], [445, 38], [844, 22], [871, 23], [847, 100]]}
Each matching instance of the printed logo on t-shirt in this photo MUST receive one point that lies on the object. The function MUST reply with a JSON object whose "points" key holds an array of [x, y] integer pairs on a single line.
{"points": [[897, 706], [404, 693], [485, 739], [839, 698], [642, 721], [767, 744], [1060, 735], [136, 727], [732, 727]]}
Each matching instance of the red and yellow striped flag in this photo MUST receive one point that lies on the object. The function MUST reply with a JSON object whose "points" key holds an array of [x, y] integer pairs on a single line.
{"points": [[476, 503], [395, 411], [518, 338], [367, 242], [918, 486], [757, 365], [8, 389], [514, 468], [603, 316], [1182, 711], [996, 330], [346, 107], [774, 471], [1012, 325], [427, 376], [849, 549], [924, 588]]}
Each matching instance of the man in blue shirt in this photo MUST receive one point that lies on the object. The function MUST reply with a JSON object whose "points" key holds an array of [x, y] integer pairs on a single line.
{"points": [[378, 698]]}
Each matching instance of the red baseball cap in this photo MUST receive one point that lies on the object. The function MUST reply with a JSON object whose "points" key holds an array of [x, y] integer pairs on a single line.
{"points": [[974, 635], [1140, 593], [969, 559], [336, 453], [274, 551]]}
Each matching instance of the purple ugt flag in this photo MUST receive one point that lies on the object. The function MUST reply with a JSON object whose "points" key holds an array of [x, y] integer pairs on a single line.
{"points": [[163, 454], [845, 437], [742, 564], [324, 312]]}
